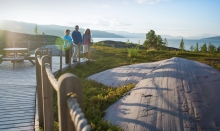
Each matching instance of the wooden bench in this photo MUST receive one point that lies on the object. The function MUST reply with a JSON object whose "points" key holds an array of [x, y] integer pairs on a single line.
{"points": [[30, 58], [12, 60]]}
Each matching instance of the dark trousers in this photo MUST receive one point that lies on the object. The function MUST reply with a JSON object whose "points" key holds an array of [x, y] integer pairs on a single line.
{"points": [[67, 55]]}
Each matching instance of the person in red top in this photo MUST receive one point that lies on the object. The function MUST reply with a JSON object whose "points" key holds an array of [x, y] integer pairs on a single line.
{"points": [[86, 42]]}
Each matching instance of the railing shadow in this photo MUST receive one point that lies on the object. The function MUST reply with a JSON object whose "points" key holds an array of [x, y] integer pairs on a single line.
{"points": [[69, 96]]}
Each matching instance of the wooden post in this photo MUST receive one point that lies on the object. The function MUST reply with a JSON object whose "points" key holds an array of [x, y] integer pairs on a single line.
{"points": [[44, 45], [51, 58], [28, 47], [79, 53], [67, 83], [47, 96], [39, 88], [46, 51], [61, 56], [70, 55]]}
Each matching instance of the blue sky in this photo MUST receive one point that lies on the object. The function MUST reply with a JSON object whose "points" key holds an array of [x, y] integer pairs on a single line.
{"points": [[172, 17]]}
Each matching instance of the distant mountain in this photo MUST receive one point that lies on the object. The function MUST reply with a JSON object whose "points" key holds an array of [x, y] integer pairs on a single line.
{"points": [[171, 37], [56, 30], [141, 35], [128, 34], [214, 38]]}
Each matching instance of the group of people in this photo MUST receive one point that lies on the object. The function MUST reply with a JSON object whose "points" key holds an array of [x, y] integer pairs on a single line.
{"points": [[76, 41]]}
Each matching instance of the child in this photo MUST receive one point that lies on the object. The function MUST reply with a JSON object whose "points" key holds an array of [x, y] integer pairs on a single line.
{"points": [[67, 44]]}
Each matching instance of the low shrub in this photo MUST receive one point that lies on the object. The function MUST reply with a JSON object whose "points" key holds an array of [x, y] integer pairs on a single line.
{"points": [[133, 52]]}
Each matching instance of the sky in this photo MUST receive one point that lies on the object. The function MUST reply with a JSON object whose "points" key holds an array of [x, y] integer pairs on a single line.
{"points": [[168, 17]]}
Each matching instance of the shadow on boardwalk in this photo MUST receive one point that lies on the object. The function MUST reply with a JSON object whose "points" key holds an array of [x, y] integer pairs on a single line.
{"points": [[17, 94], [175, 94]]}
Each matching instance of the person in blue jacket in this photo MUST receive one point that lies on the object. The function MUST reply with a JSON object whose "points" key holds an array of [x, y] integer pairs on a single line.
{"points": [[67, 44], [77, 40]]}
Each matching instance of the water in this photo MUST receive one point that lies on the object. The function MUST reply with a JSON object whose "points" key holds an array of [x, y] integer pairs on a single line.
{"points": [[171, 42]]}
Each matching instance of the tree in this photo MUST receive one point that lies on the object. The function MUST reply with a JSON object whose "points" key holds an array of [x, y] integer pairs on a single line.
{"points": [[160, 44], [218, 49], [182, 47], [166, 42], [191, 48], [43, 33], [128, 42], [211, 48], [196, 49], [153, 41], [203, 48], [36, 29]]}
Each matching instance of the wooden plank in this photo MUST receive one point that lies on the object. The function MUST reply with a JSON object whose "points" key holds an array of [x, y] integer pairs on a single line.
{"points": [[16, 98], [16, 109], [19, 94], [18, 125], [17, 118], [17, 103], [16, 112], [16, 122], [27, 128], [16, 115]]}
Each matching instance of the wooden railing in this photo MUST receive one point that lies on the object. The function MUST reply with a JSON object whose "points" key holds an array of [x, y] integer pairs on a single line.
{"points": [[69, 97], [70, 55], [29, 45]]}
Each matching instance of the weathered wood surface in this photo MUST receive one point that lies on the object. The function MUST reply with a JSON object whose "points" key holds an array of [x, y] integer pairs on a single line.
{"points": [[17, 107], [175, 94], [17, 95]]}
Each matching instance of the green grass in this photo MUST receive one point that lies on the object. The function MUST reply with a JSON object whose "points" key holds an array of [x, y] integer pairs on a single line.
{"points": [[97, 97]]}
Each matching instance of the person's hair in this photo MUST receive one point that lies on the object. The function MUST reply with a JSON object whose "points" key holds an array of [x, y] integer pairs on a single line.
{"points": [[88, 30], [76, 26], [67, 30]]}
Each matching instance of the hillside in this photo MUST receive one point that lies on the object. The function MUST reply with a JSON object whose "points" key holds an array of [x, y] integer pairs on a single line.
{"points": [[213, 38], [55, 30], [7, 39]]}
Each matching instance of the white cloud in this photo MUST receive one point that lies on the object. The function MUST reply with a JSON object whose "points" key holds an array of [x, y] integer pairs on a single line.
{"points": [[105, 6], [99, 23], [150, 1], [125, 3]]}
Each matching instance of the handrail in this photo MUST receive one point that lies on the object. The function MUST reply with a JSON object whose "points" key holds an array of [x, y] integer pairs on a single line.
{"points": [[76, 114], [51, 77], [69, 110], [39, 60]]}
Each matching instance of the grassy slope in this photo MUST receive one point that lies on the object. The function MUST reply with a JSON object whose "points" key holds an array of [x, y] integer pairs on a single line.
{"points": [[7, 38], [98, 97]]}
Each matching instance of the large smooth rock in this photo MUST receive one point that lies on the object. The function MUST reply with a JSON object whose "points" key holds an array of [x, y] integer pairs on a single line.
{"points": [[171, 95]]}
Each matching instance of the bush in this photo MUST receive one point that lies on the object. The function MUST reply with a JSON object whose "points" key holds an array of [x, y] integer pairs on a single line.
{"points": [[211, 48], [98, 97], [132, 52]]}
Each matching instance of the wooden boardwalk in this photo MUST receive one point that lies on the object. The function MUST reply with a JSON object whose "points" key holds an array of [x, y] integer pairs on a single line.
{"points": [[171, 95], [17, 95]]}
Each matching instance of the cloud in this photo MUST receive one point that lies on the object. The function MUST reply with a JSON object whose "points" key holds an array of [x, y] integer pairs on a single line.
{"points": [[125, 3], [151, 1], [105, 6], [115, 22], [99, 22]]}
